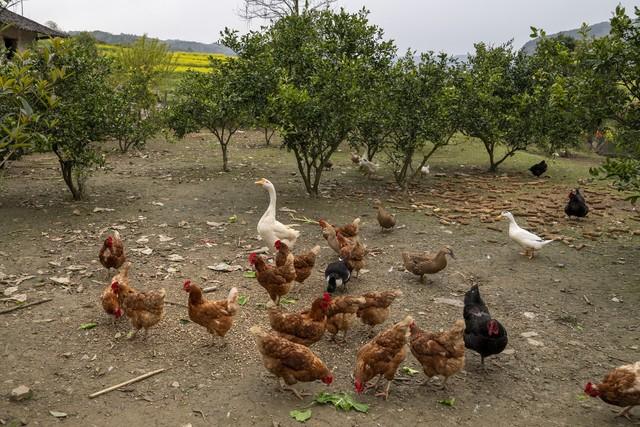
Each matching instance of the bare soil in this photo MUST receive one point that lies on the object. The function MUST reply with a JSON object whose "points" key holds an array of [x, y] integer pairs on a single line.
{"points": [[569, 295]]}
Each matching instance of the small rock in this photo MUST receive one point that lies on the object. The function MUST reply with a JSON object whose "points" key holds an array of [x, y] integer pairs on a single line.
{"points": [[20, 393], [58, 414], [175, 384], [560, 265], [175, 258], [616, 299], [509, 351], [117, 335], [164, 238], [60, 280], [449, 301], [529, 315], [10, 290], [76, 212], [529, 334], [79, 289], [535, 343], [633, 347], [67, 354]]}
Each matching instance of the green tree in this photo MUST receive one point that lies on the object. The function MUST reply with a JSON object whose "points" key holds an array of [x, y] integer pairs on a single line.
{"points": [[424, 106], [218, 101], [616, 63], [81, 114], [559, 93], [260, 73], [26, 98], [498, 105], [141, 67], [322, 55]]}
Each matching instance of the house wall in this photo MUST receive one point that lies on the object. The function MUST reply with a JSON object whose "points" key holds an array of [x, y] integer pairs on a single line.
{"points": [[25, 38]]}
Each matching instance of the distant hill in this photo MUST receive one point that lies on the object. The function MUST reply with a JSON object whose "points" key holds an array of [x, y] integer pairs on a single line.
{"points": [[175, 45], [597, 30]]}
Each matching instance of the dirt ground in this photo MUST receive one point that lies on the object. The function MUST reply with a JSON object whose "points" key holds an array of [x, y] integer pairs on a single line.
{"points": [[580, 295]]}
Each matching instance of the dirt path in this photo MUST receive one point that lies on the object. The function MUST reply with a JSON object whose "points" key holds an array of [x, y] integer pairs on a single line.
{"points": [[162, 200]]}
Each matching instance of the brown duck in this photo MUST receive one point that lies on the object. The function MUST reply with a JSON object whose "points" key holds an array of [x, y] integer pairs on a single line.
{"points": [[386, 220], [421, 264]]}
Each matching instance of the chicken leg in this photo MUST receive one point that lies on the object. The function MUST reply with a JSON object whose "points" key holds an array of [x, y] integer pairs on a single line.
{"points": [[385, 393], [625, 412], [299, 394]]}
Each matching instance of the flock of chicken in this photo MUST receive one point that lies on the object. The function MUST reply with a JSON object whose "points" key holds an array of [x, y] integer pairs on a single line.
{"points": [[285, 350]]}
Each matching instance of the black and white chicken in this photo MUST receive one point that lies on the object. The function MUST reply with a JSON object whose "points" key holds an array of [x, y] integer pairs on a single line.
{"points": [[539, 168], [576, 206], [482, 334], [337, 274]]}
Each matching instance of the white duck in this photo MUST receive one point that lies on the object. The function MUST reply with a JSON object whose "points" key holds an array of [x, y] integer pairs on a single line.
{"points": [[529, 241], [271, 229]]}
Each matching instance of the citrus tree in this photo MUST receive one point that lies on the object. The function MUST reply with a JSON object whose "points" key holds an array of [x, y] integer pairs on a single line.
{"points": [[218, 101], [498, 104], [26, 96], [616, 63], [322, 56], [81, 113], [424, 101]]}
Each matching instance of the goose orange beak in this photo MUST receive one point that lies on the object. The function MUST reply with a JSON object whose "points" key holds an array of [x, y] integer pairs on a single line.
{"points": [[260, 181]]}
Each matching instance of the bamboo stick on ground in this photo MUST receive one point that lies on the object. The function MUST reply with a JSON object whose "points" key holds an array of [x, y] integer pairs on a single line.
{"points": [[131, 381]]}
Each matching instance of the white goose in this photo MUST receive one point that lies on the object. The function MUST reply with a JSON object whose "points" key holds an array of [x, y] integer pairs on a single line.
{"points": [[271, 229], [529, 241]]}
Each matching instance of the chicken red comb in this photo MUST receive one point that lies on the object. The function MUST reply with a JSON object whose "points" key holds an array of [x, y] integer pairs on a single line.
{"points": [[187, 282], [277, 244], [326, 297], [252, 257]]}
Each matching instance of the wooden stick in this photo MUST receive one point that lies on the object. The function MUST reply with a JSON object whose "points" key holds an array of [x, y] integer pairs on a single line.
{"points": [[175, 303], [131, 381], [18, 307]]}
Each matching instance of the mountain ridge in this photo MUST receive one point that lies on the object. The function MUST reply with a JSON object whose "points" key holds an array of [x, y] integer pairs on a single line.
{"points": [[173, 44]]}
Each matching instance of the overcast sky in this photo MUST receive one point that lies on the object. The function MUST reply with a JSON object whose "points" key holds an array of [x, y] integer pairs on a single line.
{"points": [[451, 26]]}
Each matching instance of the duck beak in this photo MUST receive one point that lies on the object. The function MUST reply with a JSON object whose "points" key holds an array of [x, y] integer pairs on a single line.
{"points": [[260, 181], [499, 218], [451, 253]]}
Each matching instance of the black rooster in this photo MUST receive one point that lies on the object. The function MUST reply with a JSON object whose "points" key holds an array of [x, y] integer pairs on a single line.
{"points": [[337, 274], [482, 334], [539, 168], [576, 206]]}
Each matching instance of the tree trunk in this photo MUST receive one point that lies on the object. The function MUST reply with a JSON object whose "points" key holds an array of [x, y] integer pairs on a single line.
{"points": [[371, 152], [66, 166], [225, 158], [268, 136], [67, 175], [490, 147]]}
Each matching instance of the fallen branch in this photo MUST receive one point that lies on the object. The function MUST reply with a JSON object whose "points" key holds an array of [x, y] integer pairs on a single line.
{"points": [[31, 304], [303, 219], [131, 381], [175, 303]]}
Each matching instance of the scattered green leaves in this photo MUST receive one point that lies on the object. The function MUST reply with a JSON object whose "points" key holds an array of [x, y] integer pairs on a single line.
{"points": [[409, 371], [343, 401], [287, 300], [232, 219], [249, 274], [89, 325], [448, 402], [242, 300], [185, 321], [300, 416], [581, 397]]}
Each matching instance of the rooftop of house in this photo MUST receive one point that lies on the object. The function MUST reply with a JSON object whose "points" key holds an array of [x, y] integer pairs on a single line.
{"points": [[20, 22]]}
